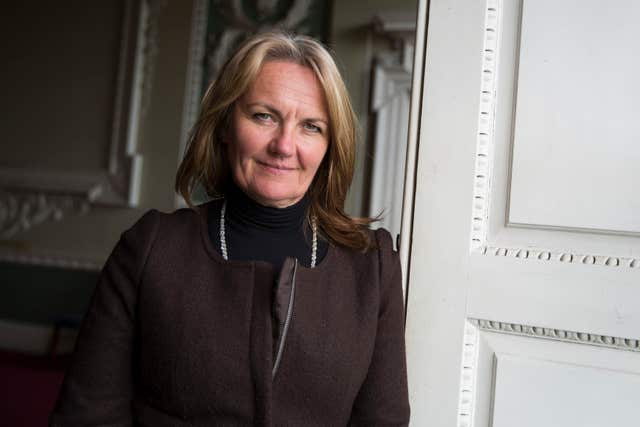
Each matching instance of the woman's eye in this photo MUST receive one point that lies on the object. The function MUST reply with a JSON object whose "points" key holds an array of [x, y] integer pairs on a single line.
{"points": [[312, 128], [263, 117]]}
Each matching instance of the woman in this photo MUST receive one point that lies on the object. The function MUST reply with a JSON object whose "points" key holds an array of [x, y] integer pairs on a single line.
{"points": [[268, 305]]}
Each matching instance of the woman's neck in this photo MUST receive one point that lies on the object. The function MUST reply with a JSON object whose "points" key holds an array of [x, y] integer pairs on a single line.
{"points": [[246, 212]]}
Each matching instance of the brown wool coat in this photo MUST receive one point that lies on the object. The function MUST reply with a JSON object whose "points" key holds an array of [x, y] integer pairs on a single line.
{"points": [[176, 336]]}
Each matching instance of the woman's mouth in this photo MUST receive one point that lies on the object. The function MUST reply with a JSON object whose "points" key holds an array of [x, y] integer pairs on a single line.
{"points": [[276, 168]]}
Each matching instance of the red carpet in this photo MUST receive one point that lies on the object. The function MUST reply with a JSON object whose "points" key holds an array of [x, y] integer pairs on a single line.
{"points": [[28, 388]]}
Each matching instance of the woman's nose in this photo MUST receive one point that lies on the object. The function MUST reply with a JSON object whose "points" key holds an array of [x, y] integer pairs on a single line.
{"points": [[283, 143]]}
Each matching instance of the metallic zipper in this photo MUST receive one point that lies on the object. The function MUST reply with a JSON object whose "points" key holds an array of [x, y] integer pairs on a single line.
{"points": [[287, 320]]}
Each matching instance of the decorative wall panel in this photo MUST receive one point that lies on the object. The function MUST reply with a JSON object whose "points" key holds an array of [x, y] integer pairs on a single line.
{"points": [[78, 78]]}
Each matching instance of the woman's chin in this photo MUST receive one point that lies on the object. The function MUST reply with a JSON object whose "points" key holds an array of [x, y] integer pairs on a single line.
{"points": [[274, 198]]}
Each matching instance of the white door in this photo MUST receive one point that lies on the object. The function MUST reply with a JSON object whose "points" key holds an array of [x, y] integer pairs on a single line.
{"points": [[524, 281]]}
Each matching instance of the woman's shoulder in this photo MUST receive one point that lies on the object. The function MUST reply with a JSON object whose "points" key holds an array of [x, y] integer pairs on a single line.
{"points": [[168, 230], [382, 240], [186, 216], [381, 252], [387, 255], [388, 262], [375, 270], [381, 244]]}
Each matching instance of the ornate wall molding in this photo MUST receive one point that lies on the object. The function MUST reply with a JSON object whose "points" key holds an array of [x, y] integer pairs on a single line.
{"points": [[486, 124], [29, 197], [559, 256], [118, 183], [20, 212], [46, 260], [617, 343]]}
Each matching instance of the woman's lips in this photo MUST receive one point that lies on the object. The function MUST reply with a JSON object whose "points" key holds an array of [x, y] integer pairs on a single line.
{"points": [[276, 168]]}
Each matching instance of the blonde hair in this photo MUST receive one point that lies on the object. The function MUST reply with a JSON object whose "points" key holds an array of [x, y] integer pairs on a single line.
{"points": [[206, 162]]}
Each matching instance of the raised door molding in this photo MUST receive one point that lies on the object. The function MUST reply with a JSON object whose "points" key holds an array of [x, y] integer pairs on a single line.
{"points": [[575, 169], [487, 344], [493, 232]]}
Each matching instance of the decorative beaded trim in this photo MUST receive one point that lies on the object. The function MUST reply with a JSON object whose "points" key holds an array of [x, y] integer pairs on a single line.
{"points": [[314, 241], [223, 237]]}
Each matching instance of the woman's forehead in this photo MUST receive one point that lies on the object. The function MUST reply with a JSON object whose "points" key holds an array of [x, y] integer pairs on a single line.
{"points": [[288, 84]]}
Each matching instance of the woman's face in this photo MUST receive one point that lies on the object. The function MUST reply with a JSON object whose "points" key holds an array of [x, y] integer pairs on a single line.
{"points": [[279, 134]]}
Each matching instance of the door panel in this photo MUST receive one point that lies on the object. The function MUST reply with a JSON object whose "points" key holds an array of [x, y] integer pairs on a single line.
{"points": [[577, 104], [525, 258], [520, 379]]}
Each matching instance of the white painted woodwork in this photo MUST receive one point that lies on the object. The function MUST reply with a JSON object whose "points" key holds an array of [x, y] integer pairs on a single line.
{"points": [[551, 185], [523, 310], [546, 377], [533, 392]]}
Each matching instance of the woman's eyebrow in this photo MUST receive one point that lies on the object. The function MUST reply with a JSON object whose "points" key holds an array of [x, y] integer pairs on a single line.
{"points": [[318, 120], [277, 112], [269, 107]]}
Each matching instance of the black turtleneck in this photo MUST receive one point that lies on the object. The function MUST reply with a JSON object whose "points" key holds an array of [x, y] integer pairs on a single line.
{"points": [[261, 233]]}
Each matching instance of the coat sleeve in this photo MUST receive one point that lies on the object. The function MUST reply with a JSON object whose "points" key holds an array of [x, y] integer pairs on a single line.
{"points": [[98, 385], [383, 397]]}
